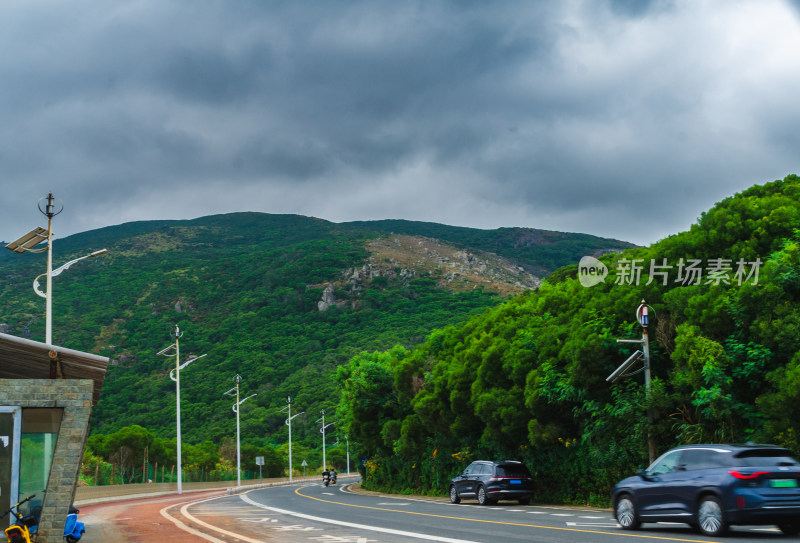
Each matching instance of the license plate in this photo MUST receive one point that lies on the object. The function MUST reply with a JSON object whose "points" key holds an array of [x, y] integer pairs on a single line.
{"points": [[783, 483], [515, 482]]}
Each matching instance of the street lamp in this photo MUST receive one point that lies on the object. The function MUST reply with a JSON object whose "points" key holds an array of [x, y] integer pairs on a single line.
{"points": [[238, 379], [26, 244], [175, 375], [347, 441], [57, 271], [289, 424], [324, 461]]}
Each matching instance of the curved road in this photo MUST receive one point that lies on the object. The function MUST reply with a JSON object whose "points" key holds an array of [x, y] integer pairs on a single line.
{"points": [[313, 513]]}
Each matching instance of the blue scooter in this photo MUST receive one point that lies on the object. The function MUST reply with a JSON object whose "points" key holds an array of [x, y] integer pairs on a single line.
{"points": [[73, 529]]}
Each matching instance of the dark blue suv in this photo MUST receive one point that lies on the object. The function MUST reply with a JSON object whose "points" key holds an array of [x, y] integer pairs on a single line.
{"points": [[711, 487], [490, 481]]}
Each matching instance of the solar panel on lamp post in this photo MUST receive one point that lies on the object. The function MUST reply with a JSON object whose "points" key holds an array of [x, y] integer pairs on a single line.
{"points": [[27, 244], [289, 424], [238, 379], [322, 430], [175, 375]]}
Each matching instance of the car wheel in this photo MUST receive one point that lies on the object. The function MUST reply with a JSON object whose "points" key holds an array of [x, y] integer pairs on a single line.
{"points": [[454, 495], [710, 517], [524, 501], [792, 528], [626, 513], [482, 499]]}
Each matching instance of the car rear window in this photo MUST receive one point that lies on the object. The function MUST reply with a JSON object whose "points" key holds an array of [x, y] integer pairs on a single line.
{"points": [[512, 470], [765, 457]]}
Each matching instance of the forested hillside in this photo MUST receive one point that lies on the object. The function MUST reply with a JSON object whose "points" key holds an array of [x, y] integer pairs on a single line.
{"points": [[245, 289], [527, 379]]}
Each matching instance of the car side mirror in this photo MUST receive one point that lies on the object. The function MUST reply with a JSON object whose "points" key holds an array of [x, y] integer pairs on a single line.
{"points": [[644, 475]]}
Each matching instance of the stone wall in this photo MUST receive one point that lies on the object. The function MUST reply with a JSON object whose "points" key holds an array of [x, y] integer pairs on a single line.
{"points": [[75, 397]]}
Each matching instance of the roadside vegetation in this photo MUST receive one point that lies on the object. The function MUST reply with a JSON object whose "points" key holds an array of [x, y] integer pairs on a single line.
{"points": [[526, 379]]}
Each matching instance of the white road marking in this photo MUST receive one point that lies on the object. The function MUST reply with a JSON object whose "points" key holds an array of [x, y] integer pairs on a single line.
{"points": [[185, 528], [297, 528], [344, 539], [593, 524], [354, 525], [185, 513]]}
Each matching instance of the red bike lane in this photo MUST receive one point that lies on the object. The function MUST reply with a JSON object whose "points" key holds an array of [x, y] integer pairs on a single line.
{"points": [[139, 520]]}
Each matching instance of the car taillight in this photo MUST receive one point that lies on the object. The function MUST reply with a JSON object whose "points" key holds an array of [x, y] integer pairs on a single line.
{"points": [[740, 475]]}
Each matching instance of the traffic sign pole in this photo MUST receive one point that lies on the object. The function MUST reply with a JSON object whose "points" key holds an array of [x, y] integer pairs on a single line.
{"points": [[644, 319]]}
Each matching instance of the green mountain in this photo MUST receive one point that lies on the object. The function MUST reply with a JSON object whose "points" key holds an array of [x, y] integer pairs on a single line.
{"points": [[282, 300], [527, 378]]}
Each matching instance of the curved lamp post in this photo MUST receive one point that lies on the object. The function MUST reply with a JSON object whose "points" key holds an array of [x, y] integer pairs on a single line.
{"points": [[175, 375], [63, 267], [322, 430], [347, 440], [289, 424], [238, 379]]}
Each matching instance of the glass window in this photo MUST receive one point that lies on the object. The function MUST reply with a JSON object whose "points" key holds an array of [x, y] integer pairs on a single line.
{"points": [[666, 464], [9, 460], [512, 470], [39, 433], [765, 457], [701, 459]]}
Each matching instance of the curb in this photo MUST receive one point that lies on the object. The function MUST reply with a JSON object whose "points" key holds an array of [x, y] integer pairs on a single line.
{"points": [[228, 491]]}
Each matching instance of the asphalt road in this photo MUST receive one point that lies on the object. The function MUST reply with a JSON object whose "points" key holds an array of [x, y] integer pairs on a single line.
{"points": [[313, 513]]}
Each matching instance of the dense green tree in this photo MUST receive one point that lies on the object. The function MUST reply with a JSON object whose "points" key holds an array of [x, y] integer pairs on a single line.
{"points": [[526, 379]]}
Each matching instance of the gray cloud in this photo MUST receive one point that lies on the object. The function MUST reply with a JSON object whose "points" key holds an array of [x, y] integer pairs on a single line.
{"points": [[622, 119]]}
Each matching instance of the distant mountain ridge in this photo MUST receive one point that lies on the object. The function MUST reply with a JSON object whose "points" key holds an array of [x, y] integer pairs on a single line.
{"points": [[246, 289]]}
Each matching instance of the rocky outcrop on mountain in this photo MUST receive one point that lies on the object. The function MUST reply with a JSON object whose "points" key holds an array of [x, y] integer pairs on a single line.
{"points": [[454, 268], [401, 258], [328, 299]]}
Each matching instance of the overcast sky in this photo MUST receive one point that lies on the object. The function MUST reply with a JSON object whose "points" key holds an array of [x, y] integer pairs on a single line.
{"points": [[620, 118]]}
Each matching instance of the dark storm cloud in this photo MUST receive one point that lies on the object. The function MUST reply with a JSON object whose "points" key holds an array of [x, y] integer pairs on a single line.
{"points": [[600, 117]]}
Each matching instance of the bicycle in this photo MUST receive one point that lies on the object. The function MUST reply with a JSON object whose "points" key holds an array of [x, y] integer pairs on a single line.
{"points": [[19, 532]]}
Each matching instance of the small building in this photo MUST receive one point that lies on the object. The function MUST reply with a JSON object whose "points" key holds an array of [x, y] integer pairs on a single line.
{"points": [[46, 398]]}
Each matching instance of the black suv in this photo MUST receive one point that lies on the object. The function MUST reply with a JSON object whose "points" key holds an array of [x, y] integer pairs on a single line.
{"points": [[711, 487], [489, 482]]}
